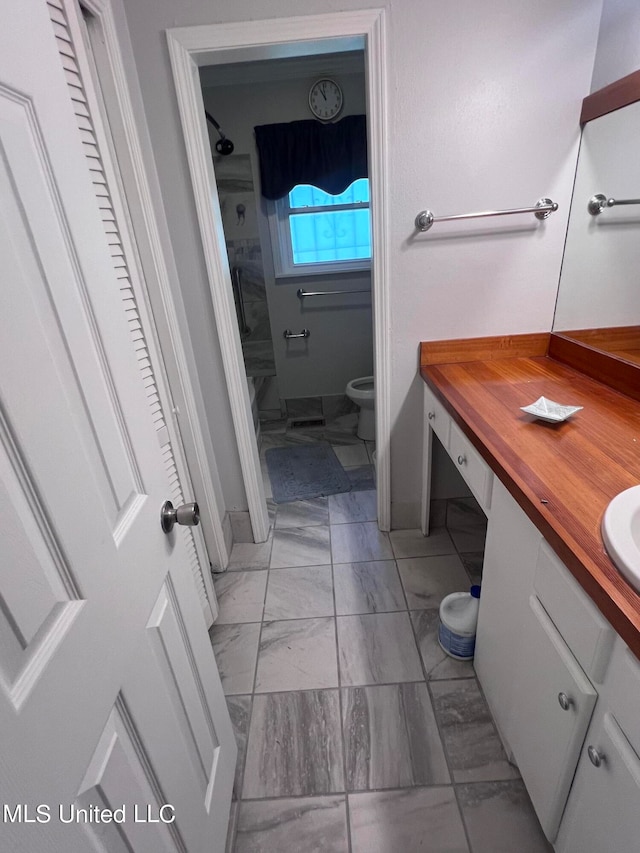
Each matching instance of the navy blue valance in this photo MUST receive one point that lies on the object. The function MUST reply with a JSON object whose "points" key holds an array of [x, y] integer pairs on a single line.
{"points": [[328, 156]]}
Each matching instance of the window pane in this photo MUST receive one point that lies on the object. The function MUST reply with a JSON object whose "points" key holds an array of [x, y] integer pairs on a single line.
{"points": [[305, 195], [332, 236]]}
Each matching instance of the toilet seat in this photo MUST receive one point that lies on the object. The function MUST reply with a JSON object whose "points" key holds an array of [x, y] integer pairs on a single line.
{"points": [[364, 386], [363, 393]]}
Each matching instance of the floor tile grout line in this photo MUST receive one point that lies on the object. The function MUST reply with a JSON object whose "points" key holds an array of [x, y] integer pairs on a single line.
{"points": [[429, 691], [383, 790], [349, 686], [436, 717], [250, 715], [467, 835], [340, 712]]}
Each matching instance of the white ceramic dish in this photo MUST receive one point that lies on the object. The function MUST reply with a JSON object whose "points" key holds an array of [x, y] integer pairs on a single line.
{"points": [[547, 410]]}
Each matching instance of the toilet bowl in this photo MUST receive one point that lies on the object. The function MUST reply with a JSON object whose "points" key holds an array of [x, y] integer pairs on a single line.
{"points": [[362, 392]]}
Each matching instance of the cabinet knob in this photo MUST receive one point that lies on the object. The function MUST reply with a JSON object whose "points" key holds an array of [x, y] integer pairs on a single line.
{"points": [[565, 701], [461, 459], [595, 757], [431, 415]]}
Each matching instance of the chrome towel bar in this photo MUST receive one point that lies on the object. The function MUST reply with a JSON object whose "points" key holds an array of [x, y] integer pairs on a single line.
{"points": [[598, 202], [288, 334], [542, 208], [303, 293]]}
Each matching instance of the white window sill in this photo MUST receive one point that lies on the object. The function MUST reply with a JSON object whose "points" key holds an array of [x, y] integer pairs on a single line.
{"points": [[325, 269]]}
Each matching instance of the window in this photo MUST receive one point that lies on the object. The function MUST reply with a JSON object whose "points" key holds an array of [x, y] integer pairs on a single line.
{"points": [[315, 232]]}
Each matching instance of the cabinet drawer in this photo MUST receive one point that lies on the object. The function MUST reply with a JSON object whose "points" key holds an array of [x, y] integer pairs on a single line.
{"points": [[435, 416], [472, 466], [552, 709], [584, 629]]}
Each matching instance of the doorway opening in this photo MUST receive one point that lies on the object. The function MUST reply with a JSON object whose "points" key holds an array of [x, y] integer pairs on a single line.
{"points": [[308, 240], [194, 48]]}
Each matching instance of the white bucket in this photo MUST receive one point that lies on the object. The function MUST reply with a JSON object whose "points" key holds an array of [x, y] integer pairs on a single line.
{"points": [[458, 621]]}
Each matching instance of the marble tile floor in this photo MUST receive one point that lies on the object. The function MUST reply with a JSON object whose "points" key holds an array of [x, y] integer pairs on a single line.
{"points": [[356, 733]]}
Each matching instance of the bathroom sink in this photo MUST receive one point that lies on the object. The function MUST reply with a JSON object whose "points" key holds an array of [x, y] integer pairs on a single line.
{"points": [[621, 533]]}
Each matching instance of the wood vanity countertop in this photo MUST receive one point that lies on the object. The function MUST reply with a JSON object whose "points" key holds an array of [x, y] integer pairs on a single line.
{"points": [[576, 467]]}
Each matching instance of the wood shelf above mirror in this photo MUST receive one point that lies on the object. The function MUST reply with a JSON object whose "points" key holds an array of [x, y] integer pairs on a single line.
{"points": [[616, 95]]}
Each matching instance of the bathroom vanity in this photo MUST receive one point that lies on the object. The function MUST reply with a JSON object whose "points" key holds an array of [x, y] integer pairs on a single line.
{"points": [[558, 642]]}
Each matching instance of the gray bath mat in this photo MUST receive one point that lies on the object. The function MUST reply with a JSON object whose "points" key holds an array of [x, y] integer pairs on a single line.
{"points": [[305, 471]]}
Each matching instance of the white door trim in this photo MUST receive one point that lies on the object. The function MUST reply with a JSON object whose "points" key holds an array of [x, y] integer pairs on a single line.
{"points": [[193, 47], [188, 406]]}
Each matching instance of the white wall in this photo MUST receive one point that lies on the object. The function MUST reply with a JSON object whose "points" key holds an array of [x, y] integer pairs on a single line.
{"points": [[340, 347], [190, 305], [484, 102], [618, 52]]}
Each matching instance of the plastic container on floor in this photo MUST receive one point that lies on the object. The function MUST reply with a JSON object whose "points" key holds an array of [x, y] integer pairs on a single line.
{"points": [[458, 621]]}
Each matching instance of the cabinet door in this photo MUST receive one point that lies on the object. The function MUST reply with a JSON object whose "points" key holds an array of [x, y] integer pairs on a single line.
{"points": [[509, 561], [603, 813], [552, 709]]}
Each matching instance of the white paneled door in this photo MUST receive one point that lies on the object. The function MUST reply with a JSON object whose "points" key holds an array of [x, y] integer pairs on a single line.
{"points": [[114, 733]]}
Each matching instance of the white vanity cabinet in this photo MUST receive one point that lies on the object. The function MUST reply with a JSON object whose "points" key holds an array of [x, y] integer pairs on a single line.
{"points": [[603, 811], [542, 650], [562, 687]]}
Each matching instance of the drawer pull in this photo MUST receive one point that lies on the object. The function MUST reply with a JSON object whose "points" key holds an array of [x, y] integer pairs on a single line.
{"points": [[462, 459], [565, 701], [595, 757], [431, 415]]}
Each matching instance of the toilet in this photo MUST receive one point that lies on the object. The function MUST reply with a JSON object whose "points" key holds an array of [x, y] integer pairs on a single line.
{"points": [[362, 392]]}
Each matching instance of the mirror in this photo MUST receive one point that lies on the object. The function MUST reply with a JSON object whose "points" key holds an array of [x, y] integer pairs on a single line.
{"points": [[598, 301]]}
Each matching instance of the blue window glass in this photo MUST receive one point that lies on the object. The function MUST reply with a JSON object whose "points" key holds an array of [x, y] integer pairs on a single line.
{"points": [[321, 236]]}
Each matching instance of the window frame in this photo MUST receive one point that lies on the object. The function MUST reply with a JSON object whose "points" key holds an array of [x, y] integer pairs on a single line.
{"points": [[278, 213]]}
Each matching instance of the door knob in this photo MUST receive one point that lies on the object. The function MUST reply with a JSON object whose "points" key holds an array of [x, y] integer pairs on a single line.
{"points": [[188, 514], [595, 757], [565, 701]]}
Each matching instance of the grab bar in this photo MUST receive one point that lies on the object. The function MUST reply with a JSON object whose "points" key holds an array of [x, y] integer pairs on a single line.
{"points": [[236, 283], [288, 334], [302, 293], [543, 207], [598, 202]]}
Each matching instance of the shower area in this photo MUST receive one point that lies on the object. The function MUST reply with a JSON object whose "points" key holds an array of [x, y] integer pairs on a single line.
{"points": [[237, 198], [300, 351]]}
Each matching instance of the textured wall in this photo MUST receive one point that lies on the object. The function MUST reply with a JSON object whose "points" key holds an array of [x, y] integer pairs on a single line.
{"points": [[484, 100]]}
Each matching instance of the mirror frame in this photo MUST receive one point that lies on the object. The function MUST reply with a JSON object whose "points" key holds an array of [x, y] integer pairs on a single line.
{"points": [[617, 372]]}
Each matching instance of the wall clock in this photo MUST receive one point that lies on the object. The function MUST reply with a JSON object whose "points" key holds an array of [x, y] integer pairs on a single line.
{"points": [[325, 99]]}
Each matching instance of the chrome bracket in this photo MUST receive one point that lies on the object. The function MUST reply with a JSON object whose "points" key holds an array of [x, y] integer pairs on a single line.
{"points": [[288, 334], [597, 204]]}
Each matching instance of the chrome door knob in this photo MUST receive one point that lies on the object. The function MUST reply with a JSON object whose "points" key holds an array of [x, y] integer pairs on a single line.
{"points": [[462, 459], [188, 514], [595, 757], [565, 701], [431, 415]]}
